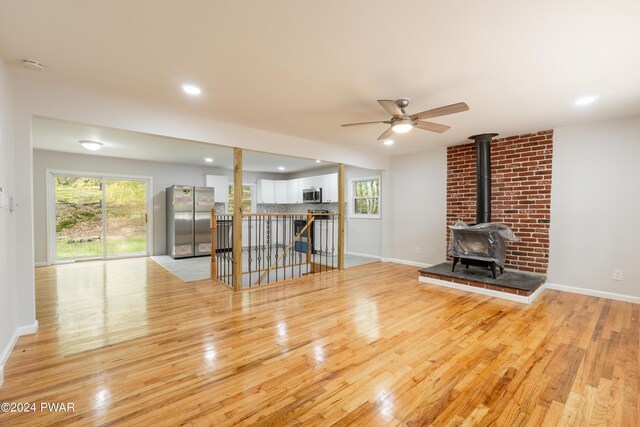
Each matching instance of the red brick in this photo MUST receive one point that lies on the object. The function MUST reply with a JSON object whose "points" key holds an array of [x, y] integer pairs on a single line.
{"points": [[521, 187]]}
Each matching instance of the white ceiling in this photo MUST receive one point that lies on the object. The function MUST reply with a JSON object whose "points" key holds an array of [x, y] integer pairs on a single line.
{"points": [[55, 135], [302, 67]]}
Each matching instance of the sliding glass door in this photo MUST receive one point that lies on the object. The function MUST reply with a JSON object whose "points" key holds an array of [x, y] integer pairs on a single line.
{"points": [[126, 217], [78, 214], [98, 217]]}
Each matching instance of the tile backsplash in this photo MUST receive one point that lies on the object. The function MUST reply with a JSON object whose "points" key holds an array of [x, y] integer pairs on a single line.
{"points": [[295, 207]]}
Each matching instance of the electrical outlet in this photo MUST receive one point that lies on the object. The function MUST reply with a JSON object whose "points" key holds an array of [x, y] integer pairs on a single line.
{"points": [[417, 250], [617, 274]]}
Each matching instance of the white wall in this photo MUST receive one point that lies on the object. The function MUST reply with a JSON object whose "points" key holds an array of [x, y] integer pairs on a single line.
{"points": [[163, 175], [8, 285], [595, 206], [418, 203]]}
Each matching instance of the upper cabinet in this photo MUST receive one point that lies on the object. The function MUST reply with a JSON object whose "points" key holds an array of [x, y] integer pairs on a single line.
{"points": [[272, 191], [310, 182], [266, 191], [294, 192], [329, 188], [280, 191], [221, 186], [290, 191]]}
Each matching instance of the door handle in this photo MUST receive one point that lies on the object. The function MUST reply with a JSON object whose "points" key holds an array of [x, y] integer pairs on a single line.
{"points": [[146, 218]]}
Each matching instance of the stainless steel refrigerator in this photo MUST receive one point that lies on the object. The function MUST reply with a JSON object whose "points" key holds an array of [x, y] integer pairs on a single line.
{"points": [[204, 202], [180, 221]]}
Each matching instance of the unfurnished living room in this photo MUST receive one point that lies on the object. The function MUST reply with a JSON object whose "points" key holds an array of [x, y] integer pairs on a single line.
{"points": [[319, 213]]}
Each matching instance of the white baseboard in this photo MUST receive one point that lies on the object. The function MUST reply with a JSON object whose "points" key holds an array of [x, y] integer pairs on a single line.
{"points": [[364, 255], [41, 264], [27, 329], [482, 291], [6, 352], [593, 293], [406, 262]]}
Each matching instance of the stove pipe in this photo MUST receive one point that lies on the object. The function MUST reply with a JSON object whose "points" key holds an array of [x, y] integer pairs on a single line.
{"points": [[483, 176]]}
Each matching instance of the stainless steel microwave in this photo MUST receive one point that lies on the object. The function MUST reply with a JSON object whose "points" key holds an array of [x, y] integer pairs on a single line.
{"points": [[312, 195]]}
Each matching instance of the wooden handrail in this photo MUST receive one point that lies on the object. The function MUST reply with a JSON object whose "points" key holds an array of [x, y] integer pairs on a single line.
{"points": [[288, 214], [295, 239]]}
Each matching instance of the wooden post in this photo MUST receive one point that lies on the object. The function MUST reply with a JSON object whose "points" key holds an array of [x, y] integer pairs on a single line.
{"points": [[308, 241], [237, 219], [341, 202], [214, 266]]}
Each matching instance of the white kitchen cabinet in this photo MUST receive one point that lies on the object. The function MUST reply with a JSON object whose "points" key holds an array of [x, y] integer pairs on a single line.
{"points": [[266, 191], [330, 188], [221, 186], [280, 190], [311, 182], [294, 192]]}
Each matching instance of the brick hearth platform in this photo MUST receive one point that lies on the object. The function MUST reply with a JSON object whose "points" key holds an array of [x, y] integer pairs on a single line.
{"points": [[511, 282]]}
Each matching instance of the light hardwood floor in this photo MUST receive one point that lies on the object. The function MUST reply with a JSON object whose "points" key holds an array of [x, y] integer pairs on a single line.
{"points": [[128, 343]]}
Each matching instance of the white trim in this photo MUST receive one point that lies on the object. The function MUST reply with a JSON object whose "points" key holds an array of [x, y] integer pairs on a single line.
{"points": [[27, 329], [6, 352], [482, 291], [406, 262], [350, 206], [41, 264], [593, 293], [363, 255]]}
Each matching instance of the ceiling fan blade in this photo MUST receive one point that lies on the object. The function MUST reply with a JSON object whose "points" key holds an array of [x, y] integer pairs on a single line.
{"points": [[433, 127], [442, 111], [386, 134], [365, 123], [391, 107]]}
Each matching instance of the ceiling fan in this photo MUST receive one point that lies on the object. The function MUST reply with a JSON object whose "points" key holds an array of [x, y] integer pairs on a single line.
{"points": [[401, 122]]}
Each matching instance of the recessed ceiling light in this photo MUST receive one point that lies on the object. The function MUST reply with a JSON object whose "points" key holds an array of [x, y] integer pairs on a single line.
{"points": [[91, 145], [280, 168], [388, 142], [33, 64], [585, 100], [191, 89], [318, 161], [208, 159]]}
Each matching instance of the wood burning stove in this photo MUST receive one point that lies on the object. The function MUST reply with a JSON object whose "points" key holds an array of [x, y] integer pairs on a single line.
{"points": [[483, 244]]}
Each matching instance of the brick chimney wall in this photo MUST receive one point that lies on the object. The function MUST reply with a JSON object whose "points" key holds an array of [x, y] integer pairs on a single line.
{"points": [[520, 193]]}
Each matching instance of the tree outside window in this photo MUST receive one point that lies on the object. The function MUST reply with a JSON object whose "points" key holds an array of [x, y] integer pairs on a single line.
{"points": [[366, 197], [247, 198]]}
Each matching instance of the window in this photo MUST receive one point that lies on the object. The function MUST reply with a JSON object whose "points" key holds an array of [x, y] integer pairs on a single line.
{"points": [[247, 198], [365, 197]]}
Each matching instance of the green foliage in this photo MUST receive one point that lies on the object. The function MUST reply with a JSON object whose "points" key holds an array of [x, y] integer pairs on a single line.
{"points": [[367, 197], [246, 198], [79, 215], [66, 250]]}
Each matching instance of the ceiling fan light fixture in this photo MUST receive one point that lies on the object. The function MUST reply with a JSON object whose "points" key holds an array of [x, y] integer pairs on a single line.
{"points": [[190, 89], [585, 100], [91, 145], [402, 126]]}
